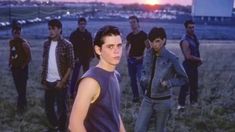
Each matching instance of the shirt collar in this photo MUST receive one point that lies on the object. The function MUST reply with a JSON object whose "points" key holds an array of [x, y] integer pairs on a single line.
{"points": [[162, 52]]}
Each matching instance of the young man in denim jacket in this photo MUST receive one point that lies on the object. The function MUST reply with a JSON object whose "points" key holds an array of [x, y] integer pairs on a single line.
{"points": [[161, 71]]}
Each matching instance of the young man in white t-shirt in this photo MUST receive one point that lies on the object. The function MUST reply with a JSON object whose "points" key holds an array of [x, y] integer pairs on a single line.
{"points": [[58, 62]]}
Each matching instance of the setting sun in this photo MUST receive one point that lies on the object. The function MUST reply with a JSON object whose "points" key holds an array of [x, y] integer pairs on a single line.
{"points": [[152, 2]]}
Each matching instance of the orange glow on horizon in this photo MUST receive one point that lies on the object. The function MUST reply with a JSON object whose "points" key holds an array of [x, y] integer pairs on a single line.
{"points": [[152, 2]]}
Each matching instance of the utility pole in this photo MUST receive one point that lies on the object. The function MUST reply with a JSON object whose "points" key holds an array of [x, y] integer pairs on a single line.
{"points": [[9, 10]]}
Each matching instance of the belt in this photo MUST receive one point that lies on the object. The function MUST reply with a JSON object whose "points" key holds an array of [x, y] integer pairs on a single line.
{"points": [[137, 57], [161, 98]]}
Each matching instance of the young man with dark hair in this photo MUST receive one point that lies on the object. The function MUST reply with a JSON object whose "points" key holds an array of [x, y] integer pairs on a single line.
{"points": [[97, 104], [19, 58], [58, 62], [189, 45], [134, 51], [161, 72], [83, 51]]}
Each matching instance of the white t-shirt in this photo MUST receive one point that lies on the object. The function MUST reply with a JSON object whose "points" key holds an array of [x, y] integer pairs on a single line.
{"points": [[52, 74]]}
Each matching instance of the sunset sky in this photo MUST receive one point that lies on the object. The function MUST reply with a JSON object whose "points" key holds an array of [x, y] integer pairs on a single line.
{"points": [[185, 2], [181, 2]]}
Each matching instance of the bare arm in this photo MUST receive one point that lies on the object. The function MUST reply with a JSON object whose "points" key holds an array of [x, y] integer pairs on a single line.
{"points": [[122, 128], [88, 89], [187, 53]]}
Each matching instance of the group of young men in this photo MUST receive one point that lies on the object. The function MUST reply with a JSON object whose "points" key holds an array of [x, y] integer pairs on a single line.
{"points": [[97, 93]]}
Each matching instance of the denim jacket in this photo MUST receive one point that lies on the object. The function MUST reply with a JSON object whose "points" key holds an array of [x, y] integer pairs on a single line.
{"points": [[167, 68]]}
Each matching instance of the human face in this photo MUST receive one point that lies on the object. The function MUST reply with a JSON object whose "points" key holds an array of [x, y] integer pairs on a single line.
{"points": [[157, 44], [134, 24], [190, 29], [111, 51], [54, 32], [82, 25], [16, 33]]}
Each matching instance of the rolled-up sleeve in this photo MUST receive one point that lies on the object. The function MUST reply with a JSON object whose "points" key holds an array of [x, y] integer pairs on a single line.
{"points": [[70, 55]]}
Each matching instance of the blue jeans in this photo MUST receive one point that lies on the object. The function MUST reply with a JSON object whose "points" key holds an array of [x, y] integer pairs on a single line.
{"points": [[190, 87], [20, 77], [159, 108], [75, 76], [56, 97], [134, 70]]}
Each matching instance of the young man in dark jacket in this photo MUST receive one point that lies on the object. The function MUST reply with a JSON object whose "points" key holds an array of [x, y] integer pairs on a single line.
{"points": [[81, 39], [19, 59]]}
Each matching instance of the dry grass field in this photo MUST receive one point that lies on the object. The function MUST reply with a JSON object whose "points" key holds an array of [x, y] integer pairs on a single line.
{"points": [[216, 111]]}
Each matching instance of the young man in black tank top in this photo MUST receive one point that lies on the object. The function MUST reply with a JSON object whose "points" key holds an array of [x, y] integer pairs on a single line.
{"points": [[189, 45], [134, 51], [97, 104]]}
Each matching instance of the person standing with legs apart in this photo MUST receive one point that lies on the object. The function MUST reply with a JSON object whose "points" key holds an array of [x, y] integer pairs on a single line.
{"points": [[189, 45], [83, 51], [134, 50], [19, 58], [161, 72], [97, 105], [58, 62]]}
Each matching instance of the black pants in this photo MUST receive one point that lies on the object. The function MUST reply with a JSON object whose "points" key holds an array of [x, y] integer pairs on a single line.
{"points": [[85, 65], [190, 87], [75, 76], [56, 98], [20, 77]]}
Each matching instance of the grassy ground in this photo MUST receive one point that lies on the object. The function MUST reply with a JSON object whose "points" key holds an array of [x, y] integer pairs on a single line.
{"points": [[216, 93]]}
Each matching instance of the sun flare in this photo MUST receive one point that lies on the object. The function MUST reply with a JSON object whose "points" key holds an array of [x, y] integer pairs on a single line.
{"points": [[152, 2]]}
